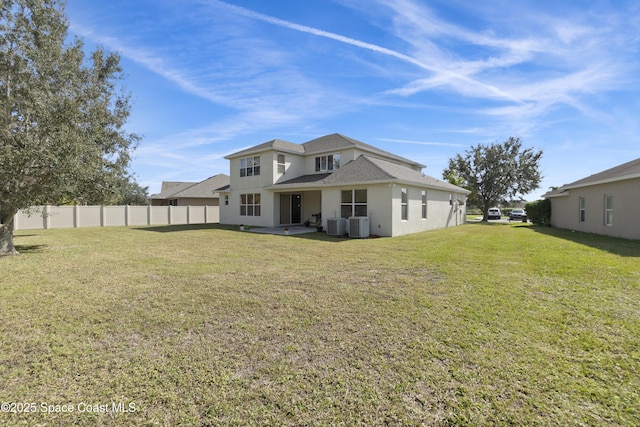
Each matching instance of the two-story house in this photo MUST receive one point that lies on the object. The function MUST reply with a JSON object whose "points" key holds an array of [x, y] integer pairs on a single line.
{"points": [[281, 183]]}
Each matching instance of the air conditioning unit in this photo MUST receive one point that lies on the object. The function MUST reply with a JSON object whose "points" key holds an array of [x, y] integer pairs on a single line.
{"points": [[336, 226], [359, 226]]}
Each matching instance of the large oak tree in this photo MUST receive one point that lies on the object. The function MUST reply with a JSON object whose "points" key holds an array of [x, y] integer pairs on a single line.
{"points": [[496, 173], [62, 115]]}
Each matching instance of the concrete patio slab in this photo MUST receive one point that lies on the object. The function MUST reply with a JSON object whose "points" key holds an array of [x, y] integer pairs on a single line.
{"points": [[296, 229]]}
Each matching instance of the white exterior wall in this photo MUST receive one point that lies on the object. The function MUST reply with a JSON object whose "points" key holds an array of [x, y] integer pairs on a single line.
{"points": [[294, 166], [626, 205], [440, 213], [378, 209]]}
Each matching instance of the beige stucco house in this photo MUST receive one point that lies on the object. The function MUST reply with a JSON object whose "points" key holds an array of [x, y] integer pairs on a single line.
{"points": [[281, 183], [606, 203], [203, 193]]}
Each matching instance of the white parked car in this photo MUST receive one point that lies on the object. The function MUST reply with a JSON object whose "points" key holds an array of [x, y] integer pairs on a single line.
{"points": [[494, 213]]}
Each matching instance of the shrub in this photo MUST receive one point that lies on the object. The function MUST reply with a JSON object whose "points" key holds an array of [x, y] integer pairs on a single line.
{"points": [[539, 212]]}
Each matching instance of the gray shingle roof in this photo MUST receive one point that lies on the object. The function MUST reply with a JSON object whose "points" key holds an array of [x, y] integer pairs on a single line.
{"points": [[306, 179], [274, 144], [367, 169], [370, 169], [337, 141], [327, 143], [202, 189], [621, 172]]}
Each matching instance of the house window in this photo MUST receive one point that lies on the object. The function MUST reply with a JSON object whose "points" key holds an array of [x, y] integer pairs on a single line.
{"points": [[250, 204], [581, 209], [250, 166], [327, 163], [353, 203], [404, 204], [424, 204], [226, 200], [608, 209], [281, 163]]}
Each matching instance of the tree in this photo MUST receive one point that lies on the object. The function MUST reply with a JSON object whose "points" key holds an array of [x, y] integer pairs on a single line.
{"points": [[61, 115], [496, 172], [133, 194]]}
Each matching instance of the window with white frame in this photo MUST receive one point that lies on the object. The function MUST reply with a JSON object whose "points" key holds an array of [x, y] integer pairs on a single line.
{"points": [[226, 200], [404, 204], [250, 204], [608, 209], [353, 203], [328, 163], [280, 160], [250, 166], [581, 209], [424, 204]]}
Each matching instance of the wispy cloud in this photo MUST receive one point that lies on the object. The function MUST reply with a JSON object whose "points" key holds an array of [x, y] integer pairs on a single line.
{"points": [[574, 56]]}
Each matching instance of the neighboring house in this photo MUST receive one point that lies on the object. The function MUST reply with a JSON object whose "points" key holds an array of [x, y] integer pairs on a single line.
{"points": [[204, 193], [281, 183], [606, 203]]}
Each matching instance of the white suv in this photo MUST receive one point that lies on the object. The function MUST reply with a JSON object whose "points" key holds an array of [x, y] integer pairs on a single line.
{"points": [[494, 213]]}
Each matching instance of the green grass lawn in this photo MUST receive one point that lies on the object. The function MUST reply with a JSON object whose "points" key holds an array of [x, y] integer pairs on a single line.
{"points": [[483, 324]]}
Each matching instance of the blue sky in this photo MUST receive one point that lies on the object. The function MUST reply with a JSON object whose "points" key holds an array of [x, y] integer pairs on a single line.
{"points": [[423, 79]]}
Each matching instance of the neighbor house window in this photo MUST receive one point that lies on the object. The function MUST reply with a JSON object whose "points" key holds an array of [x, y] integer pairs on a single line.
{"points": [[250, 204], [404, 204], [424, 204], [608, 209], [281, 163], [327, 163], [353, 203], [226, 200], [250, 166], [581, 209]]}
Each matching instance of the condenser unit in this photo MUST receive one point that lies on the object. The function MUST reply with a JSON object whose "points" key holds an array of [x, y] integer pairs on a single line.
{"points": [[336, 226], [359, 226]]}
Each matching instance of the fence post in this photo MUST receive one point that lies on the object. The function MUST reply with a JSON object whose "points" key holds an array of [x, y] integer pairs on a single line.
{"points": [[188, 214], [126, 215], [46, 217], [76, 216], [148, 214], [103, 216], [170, 212]]}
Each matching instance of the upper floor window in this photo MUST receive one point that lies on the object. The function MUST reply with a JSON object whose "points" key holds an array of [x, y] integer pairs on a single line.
{"points": [[581, 209], [608, 209], [250, 166], [328, 163], [281, 163]]}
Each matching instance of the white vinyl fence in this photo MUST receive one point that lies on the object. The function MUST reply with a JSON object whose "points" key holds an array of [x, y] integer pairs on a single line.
{"points": [[44, 217]]}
